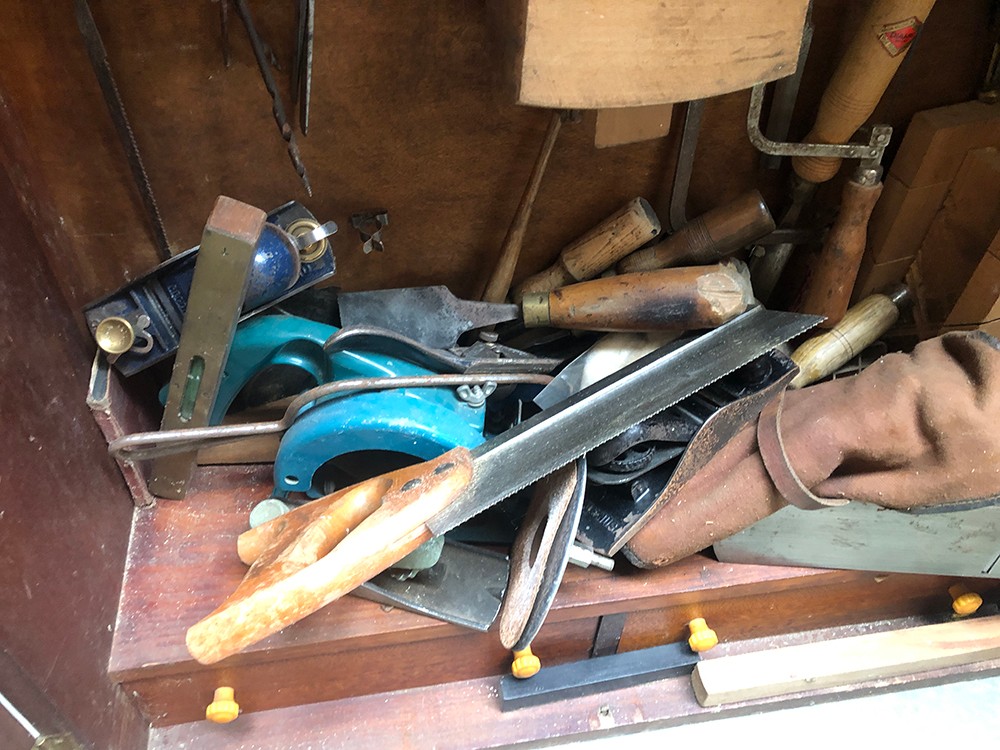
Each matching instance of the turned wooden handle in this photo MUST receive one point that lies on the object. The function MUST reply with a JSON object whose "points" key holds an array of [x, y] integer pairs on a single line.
{"points": [[307, 558], [707, 239], [499, 283], [861, 79], [626, 230], [830, 280], [668, 299], [822, 355]]}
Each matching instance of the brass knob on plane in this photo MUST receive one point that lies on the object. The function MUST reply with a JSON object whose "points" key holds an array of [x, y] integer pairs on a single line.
{"points": [[525, 665], [114, 335], [963, 601]]}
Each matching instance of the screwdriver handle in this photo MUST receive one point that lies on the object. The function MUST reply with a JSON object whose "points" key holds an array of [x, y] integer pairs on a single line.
{"points": [[830, 280], [822, 355], [861, 78], [628, 229], [707, 239], [664, 300]]}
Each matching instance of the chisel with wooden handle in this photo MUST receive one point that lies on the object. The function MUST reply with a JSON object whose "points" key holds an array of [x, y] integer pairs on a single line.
{"points": [[822, 355], [829, 280], [664, 300], [626, 230], [707, 239], [325, 549]]}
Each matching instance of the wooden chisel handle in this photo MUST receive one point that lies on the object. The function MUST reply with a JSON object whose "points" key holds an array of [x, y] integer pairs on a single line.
{"points": [[626, 230], [822, 355], [707, 239], [308, 557], [499, 283], [861, 78], [663, 300], [830, 281]]}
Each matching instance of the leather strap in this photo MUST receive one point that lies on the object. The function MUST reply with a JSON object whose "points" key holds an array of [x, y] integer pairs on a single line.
{"points": [[772, 453]]}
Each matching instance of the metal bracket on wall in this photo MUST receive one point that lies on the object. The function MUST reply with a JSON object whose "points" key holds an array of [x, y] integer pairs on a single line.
{"points": [[370, 225]]}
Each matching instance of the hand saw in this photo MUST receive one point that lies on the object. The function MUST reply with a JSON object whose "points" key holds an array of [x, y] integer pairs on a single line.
{"points": [[308, 558]]}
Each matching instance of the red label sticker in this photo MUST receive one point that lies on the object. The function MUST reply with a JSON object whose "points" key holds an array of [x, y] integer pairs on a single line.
{"points": [[896, 37]]}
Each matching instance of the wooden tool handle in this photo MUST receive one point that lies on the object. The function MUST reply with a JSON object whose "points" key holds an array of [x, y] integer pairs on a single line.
{"points": [[828, 286], [707, 239], [311, 559], [861, 79], [860, 327], [668, 299], [499, 283], [626, 230]]}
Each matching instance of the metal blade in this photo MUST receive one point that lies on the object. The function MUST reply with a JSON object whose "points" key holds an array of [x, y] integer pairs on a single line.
{"points": [[556, 436], [430, 314]]}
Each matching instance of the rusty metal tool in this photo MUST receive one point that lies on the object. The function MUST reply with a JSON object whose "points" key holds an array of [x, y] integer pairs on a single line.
{"points": [[218, 288], [116, 107], [309, 565], [303, 65], [885, 36], [431, 315], [370, 224], [277, 108]]}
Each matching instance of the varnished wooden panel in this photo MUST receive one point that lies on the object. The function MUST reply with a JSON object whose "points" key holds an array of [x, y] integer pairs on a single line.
{"points": [[410, 112]]}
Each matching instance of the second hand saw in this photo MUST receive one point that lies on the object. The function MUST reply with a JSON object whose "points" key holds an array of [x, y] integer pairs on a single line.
{"points": [[312, 556]]}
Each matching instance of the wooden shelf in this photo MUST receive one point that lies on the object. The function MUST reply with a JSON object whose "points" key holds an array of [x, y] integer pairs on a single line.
{"points": [[182, 563]]}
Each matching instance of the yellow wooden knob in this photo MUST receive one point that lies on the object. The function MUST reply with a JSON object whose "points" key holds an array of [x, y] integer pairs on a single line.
{"points": [[223, 709], [525, 665], [964, 602], [702, 637]]}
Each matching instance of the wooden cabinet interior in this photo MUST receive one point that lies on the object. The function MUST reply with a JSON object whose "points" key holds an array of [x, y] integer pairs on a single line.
{"points": [[410, 112]]}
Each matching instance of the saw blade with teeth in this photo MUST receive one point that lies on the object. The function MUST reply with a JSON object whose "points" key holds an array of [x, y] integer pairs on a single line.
{"points": [[551, 439]]}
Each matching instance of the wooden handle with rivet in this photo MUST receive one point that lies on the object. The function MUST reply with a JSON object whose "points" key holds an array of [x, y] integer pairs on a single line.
{"points": [[707, 239], [830, 281], [663, 300], [822, 355], [499, 283], [628, 229], [861, 78]]}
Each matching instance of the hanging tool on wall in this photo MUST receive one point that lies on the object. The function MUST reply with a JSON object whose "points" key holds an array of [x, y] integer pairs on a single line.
{"points": [[302, 67], [886, 34], [499, 282], [102, 69], [140, 324], [277, 108]]}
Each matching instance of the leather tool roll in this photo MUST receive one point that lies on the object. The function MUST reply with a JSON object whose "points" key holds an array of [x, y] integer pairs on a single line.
{"points": [[911, 431]]}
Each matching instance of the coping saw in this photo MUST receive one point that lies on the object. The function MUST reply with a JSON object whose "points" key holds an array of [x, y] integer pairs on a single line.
{"points": [[327, 548]]}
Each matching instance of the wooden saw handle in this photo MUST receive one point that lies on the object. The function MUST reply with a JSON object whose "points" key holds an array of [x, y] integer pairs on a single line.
{"points": [[668, 299], [861, 79], [311, 556], [830, 281], [707, 239], [626, 230]]}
